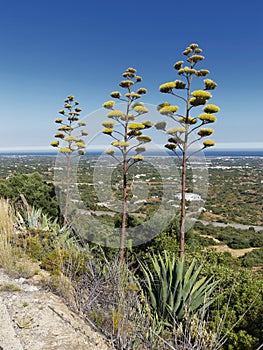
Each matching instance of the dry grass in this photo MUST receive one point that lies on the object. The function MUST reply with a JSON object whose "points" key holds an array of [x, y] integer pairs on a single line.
{"points": [[7, 252]]}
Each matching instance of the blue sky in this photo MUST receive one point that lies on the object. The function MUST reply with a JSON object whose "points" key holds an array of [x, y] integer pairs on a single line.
{"points": [[50, 49]]}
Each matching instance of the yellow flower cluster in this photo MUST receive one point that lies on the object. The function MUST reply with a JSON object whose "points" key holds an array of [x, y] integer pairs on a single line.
{"points": [[107, 131], [180, 84], [110, 151], [134, 133], [65, 150], [175, 131], [141, 109], [138, 158], [54, 143], [70, 138], [167, 110], [80, 144], [210, 84], [126, 83], [172, 140], [188, 120], [208, 143], [195, 58], [116, 94], [167, 87], [108, 104], [192, 48], [170, 146], [141, 91], [211, 108], [205, 132], [178, 65], [207, 118], [161, 105], [65, 128], [201, 94], [144, 139], [137, 103], [197, 101], [108, 124], [147, 123], [135, 95], [60, 135], [135, 126], [120, 144], [202, 72], [187, 71], [115, 114], [81, 123]]}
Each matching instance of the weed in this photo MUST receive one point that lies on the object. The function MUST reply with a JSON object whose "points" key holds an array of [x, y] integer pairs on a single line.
{"points": [[9, 288]]}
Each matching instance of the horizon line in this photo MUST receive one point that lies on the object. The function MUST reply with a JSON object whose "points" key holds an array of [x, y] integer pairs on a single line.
{"points": [[218, 147]]}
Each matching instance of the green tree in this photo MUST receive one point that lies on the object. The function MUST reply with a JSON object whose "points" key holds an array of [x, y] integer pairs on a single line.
{"points": [[37, 192], [128, 140], [72, 142], [190, 128]]}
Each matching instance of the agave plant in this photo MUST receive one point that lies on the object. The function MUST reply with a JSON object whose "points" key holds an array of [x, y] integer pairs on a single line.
{"points": [[174, 292], [35, 218]]}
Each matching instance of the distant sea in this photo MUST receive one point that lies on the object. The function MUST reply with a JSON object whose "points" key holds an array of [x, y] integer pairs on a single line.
{"points": [[209, 153]]}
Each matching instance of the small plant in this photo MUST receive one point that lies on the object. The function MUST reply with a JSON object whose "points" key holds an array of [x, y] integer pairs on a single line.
{"points": [[9, 288], [24, 322]]}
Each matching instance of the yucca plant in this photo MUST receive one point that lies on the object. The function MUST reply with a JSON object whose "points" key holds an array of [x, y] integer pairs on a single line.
{"points": [[174, 291]]}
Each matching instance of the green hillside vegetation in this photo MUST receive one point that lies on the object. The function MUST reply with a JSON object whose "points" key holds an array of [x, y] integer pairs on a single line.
{"points": [[92, 273]]}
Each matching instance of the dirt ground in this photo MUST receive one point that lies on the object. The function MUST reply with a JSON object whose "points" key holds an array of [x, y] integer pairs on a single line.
{"points": [[34, 319]]}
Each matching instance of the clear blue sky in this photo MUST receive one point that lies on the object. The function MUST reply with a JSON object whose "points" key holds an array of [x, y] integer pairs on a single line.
{"points": [[53, 48]]}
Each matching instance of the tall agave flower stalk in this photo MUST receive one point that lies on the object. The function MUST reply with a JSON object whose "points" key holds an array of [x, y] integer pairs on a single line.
{"points": [[126, 133], [69, 139], [188, 123]]}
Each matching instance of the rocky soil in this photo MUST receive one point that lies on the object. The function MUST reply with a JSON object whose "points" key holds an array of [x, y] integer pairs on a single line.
{"points": [[34, 319]]}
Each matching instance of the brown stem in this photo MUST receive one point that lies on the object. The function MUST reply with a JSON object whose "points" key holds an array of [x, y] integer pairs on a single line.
{"points": [[124, 190], [124, 211], [67, 190], [183, 205], [184, 170]]}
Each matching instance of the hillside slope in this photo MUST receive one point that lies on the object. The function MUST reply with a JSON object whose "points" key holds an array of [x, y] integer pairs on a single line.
{"points": [[34, 319]]}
